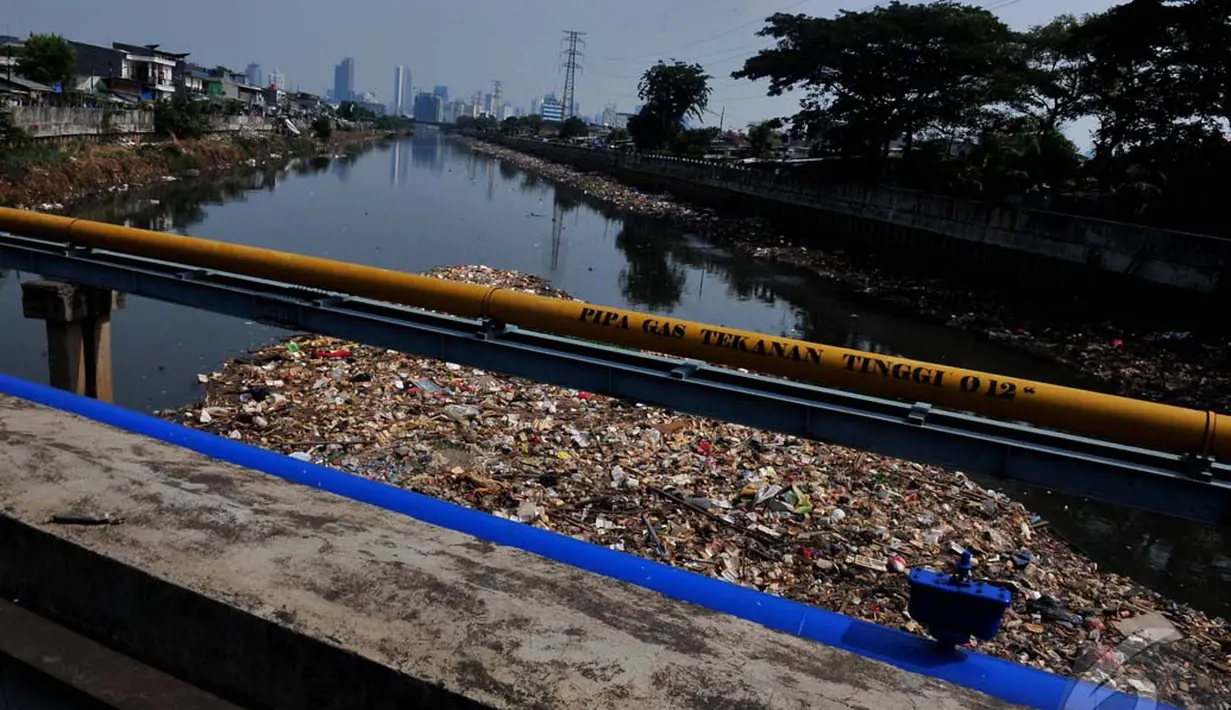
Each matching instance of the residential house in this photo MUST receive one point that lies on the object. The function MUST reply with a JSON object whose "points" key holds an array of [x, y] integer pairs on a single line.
{"points": [[303, 101], [154, 68], [96, 66], [251, 96], [275, 96], [193, 79], [10, 47], [16, 90]]}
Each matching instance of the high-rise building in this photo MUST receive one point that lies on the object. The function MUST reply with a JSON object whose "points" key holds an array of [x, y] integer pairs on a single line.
{"points": [[429, 108], [442, 91], [551, 109], [254, 75], [487, 104], [534, 105], [408, 92], [397, 101], [277, 79], [344, 80]]}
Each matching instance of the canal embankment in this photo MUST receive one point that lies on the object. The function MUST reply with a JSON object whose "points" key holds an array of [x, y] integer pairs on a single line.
{"points": [[54, 177], [1177, 357]]}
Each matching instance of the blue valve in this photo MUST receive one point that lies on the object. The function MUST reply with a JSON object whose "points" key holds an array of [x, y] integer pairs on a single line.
{"points": [[954, 607]]}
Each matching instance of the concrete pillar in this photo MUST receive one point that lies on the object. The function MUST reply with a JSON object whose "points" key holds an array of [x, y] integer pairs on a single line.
{"points": [[78, 333]]}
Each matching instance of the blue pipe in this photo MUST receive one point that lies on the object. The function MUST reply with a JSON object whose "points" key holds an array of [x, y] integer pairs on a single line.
{"points": [[1002, 679]]}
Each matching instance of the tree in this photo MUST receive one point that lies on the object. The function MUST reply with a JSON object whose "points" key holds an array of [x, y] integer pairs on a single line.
{"points": [[48, 59], [887, 73], [573, 127], [671, 93], [322, 127], [694, 143], [180, 118], [1053, 86], [763, 138], [352, 111]]}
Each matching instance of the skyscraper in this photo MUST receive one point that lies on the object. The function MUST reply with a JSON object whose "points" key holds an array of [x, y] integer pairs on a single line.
{"points": [[408, 92], [344, 80], [397, 101], [254, 75], [551, 109], [277, 79], [442, 91]]}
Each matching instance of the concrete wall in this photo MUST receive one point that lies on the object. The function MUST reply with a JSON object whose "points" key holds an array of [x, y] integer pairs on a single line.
{"points": [[1191, 262], [62, 122], [225, 124]]}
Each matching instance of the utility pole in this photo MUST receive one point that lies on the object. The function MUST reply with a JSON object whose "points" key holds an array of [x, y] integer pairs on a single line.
{"points": [[496, 103], [721, 117], [572, 56]]}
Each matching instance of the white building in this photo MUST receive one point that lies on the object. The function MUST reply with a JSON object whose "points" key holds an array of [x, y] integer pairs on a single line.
{"points": [[398, 100]]}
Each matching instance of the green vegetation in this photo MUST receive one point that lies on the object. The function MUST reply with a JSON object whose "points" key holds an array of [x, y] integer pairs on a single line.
{"points": [[671, 92], [180, 118], [522, 125], [482, 124], [573, 127], [11, 136], [764, 138], [48, 59], [971, 106], [322, 127], [352, 111]]}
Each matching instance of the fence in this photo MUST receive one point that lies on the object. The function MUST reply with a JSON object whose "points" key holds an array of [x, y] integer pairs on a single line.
{"points": [[1192, 262]]}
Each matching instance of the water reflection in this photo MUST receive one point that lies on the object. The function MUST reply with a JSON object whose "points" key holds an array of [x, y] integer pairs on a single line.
{"points": [[426, 152], [341, 208], [651, 279], [399, 157]]}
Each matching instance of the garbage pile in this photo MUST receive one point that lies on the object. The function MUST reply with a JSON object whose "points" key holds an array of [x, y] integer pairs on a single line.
{"points": [[821, 524], [1181, 368]]}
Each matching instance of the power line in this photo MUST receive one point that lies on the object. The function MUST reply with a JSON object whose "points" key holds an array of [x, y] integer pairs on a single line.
{"points": [[711, 38], [572, 56]]}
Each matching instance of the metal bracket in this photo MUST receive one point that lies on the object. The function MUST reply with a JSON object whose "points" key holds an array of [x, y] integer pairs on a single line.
{"points": [[193, 274], [75, 250], [918, 413], [1198, 467], [490, 329], [330, 301], [685, 371]]}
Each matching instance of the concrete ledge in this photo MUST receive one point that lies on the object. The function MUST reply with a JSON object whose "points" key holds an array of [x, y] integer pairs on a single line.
{"points": [[275, 595]]}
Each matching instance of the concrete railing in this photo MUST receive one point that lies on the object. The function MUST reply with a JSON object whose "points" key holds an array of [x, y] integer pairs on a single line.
{"points": [[41, 122], [1187, 261]]}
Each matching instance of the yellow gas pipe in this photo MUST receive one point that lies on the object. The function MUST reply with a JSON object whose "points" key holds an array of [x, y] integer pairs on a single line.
{"points": [[1120, 419]]}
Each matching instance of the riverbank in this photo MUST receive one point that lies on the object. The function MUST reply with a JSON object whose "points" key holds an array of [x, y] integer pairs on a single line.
{"points": [[1188, 369], [52, 178], [821, 524]]}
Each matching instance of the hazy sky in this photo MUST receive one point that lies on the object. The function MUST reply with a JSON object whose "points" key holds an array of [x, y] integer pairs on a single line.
{"points": [[465, 44]]}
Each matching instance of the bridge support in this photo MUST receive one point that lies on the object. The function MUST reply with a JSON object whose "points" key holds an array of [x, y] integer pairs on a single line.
{"points": [[78, 333]]}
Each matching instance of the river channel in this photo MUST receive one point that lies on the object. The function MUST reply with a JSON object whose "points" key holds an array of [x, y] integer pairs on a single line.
{"points": [[428, 201]]}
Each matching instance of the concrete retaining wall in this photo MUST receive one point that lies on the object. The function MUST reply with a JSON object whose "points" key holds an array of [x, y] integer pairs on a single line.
{"points": [[1191, 262], [61, 122], [231, 124]]}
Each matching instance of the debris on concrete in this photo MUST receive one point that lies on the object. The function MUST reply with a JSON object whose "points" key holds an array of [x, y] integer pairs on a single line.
{"points": [[821, 524]]}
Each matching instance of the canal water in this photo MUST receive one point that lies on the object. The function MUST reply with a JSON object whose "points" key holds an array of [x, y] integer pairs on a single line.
{"points": [[429, 201]]}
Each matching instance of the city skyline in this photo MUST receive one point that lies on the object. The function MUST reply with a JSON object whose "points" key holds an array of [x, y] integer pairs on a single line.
{"points": [[521, 46]]}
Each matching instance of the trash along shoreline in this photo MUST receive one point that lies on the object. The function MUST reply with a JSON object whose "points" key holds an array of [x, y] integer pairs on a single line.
{"points": [[821, 524], [1174, 367]]}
